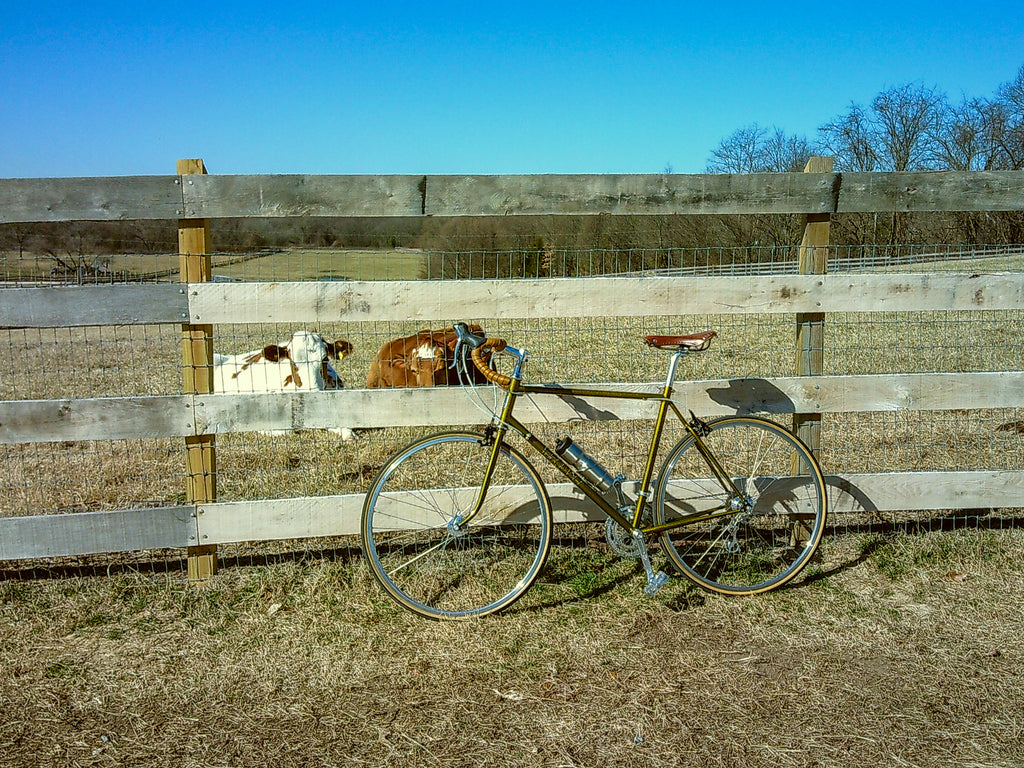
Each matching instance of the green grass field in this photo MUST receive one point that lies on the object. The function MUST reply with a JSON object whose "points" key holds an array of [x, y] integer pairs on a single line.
{"points": [[283, 264], [320, 264]]}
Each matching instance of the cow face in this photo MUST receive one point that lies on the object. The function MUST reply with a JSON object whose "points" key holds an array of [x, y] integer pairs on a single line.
{"points": [[434, 361], [308, 347], [302, 362], [428, 364], [309, 351], [424, 359]]}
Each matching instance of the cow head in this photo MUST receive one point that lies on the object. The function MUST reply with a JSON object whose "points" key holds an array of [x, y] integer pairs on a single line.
{"points": [[310, 350], [432, 362]]}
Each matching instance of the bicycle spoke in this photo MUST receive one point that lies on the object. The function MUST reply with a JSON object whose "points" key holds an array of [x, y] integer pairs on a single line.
{"points": [[748, 549], [415, 540]]}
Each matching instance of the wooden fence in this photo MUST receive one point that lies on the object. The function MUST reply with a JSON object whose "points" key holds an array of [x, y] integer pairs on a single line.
{"points": [[197, 416]]}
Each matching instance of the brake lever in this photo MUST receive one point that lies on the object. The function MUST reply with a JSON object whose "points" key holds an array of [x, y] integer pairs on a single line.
{"points": [[467, 337]]}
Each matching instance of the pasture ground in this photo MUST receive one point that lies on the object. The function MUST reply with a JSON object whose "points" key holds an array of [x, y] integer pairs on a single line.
{"points": [[899, 649], [902, 650]]}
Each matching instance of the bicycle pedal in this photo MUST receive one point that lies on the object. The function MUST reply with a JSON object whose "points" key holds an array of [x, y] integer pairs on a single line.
{"points": [[655, 583]]}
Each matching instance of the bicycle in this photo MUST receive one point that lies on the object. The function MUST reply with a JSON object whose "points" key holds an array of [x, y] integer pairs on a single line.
{"points": [[459, 524]]}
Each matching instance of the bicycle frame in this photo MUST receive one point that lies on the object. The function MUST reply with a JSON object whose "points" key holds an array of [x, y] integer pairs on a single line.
{"points": [[507, 421]]}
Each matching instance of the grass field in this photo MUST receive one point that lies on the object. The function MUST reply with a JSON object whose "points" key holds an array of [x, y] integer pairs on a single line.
{"points": [[319, 264], [898, 650], [277, 264]]}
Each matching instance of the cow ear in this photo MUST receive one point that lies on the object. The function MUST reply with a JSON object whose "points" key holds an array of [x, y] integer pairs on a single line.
{"points": [[274, 353]]}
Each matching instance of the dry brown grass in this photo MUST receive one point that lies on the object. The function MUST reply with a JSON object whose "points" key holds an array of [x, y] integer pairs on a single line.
{"points": [[896, 651], [84, 476]]}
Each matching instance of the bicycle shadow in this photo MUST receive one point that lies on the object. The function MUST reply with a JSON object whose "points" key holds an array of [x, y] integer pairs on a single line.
{"points": [[749, 396], [585, 409]]}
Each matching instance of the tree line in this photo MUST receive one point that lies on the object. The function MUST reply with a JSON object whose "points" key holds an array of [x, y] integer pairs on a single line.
{"points": [[909, 127]]}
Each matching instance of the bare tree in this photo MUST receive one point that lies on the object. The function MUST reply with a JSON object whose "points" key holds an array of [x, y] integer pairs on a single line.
{"points": [[1007, 123], [740, 152], [850, 140], [754, 149], [962, 138], [895, 135], [906, 117], [785, 154]]}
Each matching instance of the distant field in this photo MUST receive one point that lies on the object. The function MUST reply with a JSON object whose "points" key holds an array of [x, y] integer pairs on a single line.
{"points": [[284, 264], [318, 264]]}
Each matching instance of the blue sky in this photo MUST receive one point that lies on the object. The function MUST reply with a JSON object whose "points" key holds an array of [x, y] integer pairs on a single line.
{"points": [[104, 89]]}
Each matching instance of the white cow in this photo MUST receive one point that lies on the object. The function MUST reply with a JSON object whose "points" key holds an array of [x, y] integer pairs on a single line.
{"points": [[301, 364]]}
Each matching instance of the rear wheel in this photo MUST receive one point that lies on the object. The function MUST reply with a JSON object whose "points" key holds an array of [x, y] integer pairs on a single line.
{"points": [[753, 540], [420, 551]]}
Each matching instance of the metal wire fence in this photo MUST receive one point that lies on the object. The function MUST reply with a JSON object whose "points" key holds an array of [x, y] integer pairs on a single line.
{"points": [[83, 476]]}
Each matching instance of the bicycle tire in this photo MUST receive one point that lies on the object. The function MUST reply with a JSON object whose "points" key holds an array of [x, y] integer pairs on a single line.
{"points": [[771, 534], [422, 560]]}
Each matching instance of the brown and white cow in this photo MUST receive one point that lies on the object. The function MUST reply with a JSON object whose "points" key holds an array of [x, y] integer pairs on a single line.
{"points": [[301, 364], [423, 359]]}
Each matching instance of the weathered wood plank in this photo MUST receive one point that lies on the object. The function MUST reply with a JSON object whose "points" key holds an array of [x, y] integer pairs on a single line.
{"points": [[377, 409], [856, 394], [426, 301], [934, 191], [916, 292], [322, 516], [110, 418], [223, 522], [630, 194], [440, 407], [212, 196], [112, 198], [274, 519], [227, 196], [315, 302], [123, 418], [81, 305], [87, 533], [853, 497], [923, 491]]}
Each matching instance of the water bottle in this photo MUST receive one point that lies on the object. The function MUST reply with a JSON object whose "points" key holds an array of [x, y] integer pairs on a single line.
{"points": [[587, 467]]}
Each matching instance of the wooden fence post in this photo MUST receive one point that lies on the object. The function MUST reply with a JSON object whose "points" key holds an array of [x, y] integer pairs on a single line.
{"points": [[197, 371], [810, 326]]}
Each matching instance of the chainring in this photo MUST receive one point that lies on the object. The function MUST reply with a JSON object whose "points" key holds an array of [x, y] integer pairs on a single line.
{"points": [[621, 540]]}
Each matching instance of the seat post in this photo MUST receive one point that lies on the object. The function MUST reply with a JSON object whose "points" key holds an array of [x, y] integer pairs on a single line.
{"points": [[673, 364]]}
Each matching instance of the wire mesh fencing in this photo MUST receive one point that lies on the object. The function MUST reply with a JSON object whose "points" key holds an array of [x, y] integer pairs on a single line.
{"points": [[121, 361]]}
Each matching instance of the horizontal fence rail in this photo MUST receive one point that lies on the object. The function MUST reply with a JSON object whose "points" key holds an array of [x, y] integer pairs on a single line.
{"points": [[118, 418], [193, 304], [195, 196], [423, 301]]}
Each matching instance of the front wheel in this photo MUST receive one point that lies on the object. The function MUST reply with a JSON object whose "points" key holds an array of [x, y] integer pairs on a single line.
{"points": [[754, 531], [418, 546]]}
